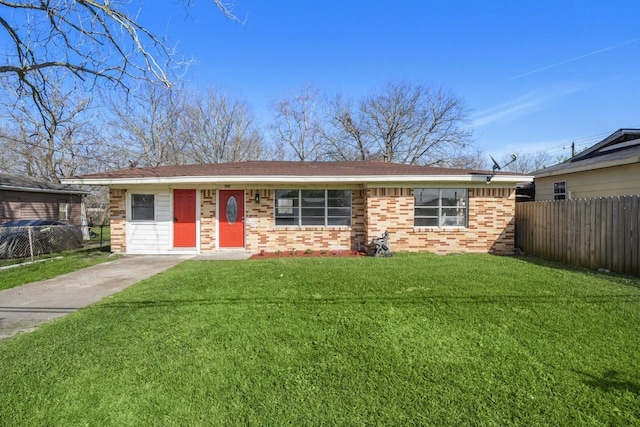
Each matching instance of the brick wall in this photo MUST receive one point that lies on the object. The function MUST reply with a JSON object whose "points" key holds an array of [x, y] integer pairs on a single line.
{"points": [[208, 239], [118, 223], [490, 222], [493, 215], [262, 234]]}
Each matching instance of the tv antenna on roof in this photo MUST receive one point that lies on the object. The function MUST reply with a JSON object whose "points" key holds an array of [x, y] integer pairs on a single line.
{"points": [[496, 166]]}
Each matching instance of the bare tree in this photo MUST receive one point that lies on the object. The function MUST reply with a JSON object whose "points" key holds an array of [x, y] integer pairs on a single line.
{"points": [[53, 138], [100, 43], [405, 123], [344, 136], [172, 126], [146, 127], [526, 162], [97, 204], [297, 125], [95, 40], [219, 128], [9, 155], [469, 158]]}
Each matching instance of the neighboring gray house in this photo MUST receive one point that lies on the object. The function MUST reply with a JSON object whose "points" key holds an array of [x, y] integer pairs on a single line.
{"points": [[609, 168], [23, 197]]}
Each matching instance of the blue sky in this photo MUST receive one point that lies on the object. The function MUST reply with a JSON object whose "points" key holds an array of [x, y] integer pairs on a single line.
{"points": [[536, 75]]}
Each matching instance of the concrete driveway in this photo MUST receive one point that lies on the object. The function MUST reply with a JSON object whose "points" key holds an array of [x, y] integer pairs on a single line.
{"points": [[25, 307]]}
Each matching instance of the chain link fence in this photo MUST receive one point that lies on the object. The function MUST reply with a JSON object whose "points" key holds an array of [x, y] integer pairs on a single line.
{"points": [[100, 235], [31, 241]]}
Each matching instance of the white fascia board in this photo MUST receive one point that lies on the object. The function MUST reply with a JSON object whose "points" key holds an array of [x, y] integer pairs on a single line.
{"points": [[593, 166], [244, 179]]}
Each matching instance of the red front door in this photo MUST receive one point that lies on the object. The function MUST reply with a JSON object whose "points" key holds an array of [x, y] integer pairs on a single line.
{"points": [[184, 218], [231, 218]]}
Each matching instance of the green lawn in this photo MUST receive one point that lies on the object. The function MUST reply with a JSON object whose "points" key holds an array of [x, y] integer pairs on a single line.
{"points": [[409, 340], [100, 234], [51, 265]]}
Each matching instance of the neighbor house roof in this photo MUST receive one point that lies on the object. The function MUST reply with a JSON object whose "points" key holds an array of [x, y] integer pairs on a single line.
{"points": [[290, 172], [11, 182], [620, 148]]}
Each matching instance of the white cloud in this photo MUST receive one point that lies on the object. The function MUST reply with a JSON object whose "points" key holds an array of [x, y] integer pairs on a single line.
{"points": [[566, 61], [524, 105], [508, 110]]}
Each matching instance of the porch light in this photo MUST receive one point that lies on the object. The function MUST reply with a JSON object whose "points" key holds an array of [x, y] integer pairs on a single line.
{"points": [[257, 198]]}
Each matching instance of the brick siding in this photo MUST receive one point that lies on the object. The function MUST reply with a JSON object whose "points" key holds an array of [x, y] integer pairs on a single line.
{"points": [[490, 222], [208, 220], [262, 234], [491, 225], [118, 222]]}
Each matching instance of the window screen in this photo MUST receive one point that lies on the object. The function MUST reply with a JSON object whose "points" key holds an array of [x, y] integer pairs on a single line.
{"points": [[142, 207]]}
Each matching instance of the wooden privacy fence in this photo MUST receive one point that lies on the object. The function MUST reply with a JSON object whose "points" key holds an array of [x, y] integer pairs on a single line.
{"points": [[593, 233]]}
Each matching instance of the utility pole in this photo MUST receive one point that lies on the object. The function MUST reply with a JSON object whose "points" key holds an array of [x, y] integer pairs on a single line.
{"points": [[573, 148]]}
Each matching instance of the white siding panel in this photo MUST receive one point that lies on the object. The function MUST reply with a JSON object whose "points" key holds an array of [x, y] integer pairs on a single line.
{"points": [[152, 237], [163, 207], [148, 238]]}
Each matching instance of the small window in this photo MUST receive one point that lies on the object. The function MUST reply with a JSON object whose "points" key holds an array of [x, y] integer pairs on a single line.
{"points": [[440, 207], [287, 207], [142, 207], [559, 190], [63, 211]]}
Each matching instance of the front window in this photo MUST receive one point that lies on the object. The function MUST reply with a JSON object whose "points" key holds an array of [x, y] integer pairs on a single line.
{"points": [[440, 207], [313, 207], [142, 207], [559, 190]]}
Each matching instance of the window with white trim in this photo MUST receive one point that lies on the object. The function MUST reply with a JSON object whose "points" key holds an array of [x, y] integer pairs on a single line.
{"points": [[559, 190], [143, 207], [313, 207], [440, 207], [63, 211]]}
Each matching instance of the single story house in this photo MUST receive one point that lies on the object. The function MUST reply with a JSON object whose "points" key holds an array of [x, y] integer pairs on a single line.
{"points": [[24, 197], [275, 205], [608, 168]]}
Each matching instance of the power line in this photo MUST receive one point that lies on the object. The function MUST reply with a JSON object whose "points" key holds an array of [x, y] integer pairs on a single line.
{"points": [[582, 142]]}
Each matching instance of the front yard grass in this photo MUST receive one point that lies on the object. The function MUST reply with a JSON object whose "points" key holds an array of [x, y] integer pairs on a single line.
{"points": [[50, 265], [409, 340]]}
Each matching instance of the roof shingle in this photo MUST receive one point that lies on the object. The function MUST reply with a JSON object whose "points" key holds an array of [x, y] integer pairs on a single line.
{"points": [[284, 168], [26, 183]]}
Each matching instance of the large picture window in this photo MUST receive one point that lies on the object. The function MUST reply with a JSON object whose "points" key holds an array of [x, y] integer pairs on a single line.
{"points": [[440, 207], [142, 207], [313, 207]]}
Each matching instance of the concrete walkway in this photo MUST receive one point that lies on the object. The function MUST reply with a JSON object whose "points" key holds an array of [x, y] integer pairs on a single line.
{"points": [[25, 307]]}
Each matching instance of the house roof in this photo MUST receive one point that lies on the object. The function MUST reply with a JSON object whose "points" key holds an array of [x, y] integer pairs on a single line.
{"points": [[11, 182], [289, 172], [620, 148]]}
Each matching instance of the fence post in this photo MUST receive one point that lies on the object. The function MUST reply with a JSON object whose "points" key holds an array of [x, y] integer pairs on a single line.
{"points": [[29, 232]]}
